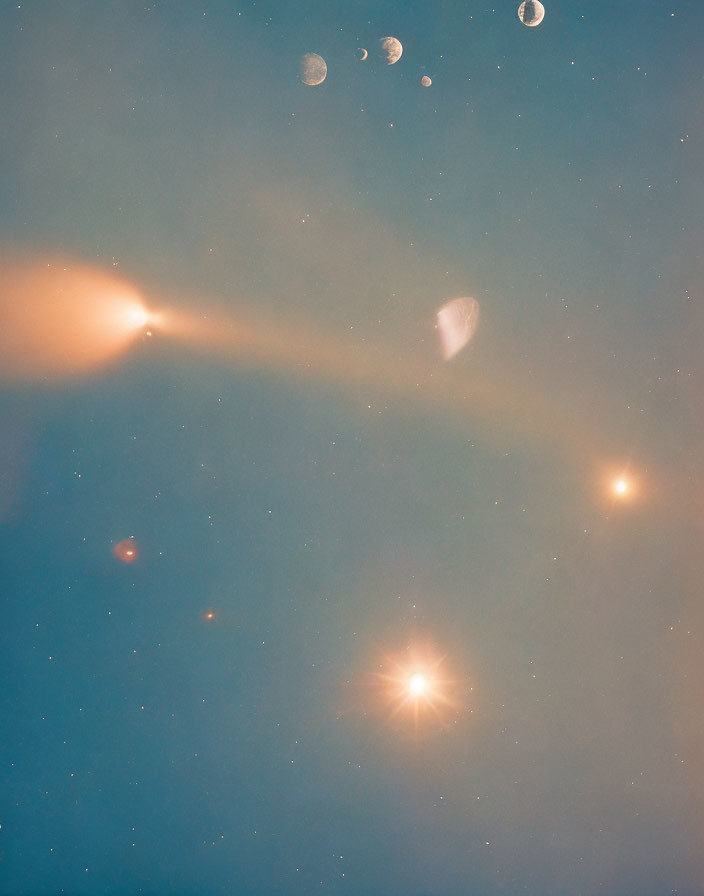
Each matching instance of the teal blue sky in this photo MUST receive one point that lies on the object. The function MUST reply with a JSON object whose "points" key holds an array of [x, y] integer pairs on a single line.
{"points": [[337, 518]]}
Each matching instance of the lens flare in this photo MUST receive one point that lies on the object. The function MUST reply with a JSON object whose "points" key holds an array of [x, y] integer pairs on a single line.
{"points": [[62, 319]]}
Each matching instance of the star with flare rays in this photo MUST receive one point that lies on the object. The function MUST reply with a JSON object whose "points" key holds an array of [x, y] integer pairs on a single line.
{"points": [[415, 683]]}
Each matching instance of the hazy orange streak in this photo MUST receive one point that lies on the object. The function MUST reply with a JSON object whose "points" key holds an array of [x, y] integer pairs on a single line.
{"points": [[491, 406]]}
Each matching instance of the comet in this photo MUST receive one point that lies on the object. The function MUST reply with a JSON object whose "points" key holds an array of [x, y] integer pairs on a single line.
{"points": [[63, 319]]}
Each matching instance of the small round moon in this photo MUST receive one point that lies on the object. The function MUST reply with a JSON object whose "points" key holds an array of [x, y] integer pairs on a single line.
{"points": [[313, 69], [362, 53], [426, 81], [456, 322], [531, 12], [390, 49]]}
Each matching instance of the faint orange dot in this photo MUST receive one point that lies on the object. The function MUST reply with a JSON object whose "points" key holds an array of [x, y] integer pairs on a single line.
{"points": [[126, 550], [210, 615]]}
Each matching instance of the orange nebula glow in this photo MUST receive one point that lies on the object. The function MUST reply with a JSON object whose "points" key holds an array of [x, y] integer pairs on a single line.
{"points": [[126, 550], [62, 319]]}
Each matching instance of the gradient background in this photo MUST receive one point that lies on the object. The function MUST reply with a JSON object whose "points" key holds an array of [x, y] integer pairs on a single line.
{"points": [[555, 174]]}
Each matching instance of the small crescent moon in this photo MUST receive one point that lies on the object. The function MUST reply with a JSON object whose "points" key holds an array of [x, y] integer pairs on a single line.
{"points": [[364, 54]]}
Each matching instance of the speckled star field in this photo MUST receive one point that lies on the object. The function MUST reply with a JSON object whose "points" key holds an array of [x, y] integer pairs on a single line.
{"points": [[351, 433]]}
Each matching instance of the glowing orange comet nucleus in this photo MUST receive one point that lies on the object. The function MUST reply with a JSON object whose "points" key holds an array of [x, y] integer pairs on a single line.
{"points": [[126, 550], [62, 319]]}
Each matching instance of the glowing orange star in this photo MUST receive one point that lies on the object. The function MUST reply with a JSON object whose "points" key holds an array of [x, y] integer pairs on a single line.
{"points": [[417, 685], [209, 615], [620, 487], [413, 683]]}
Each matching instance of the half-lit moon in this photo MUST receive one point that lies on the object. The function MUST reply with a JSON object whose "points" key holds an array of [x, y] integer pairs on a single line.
{"points": [[456, 322], [313, 69], [363, 53], [390, 49], [531, 12]]}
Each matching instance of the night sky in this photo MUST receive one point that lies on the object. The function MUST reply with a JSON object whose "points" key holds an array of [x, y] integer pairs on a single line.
{"points": [[319, 507]]}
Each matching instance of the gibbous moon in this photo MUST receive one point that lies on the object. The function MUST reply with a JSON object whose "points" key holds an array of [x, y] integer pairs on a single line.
{"points": [[313, 69], [390, 50], [531, 12], [456, 322], [425, 81], [362, 53]]}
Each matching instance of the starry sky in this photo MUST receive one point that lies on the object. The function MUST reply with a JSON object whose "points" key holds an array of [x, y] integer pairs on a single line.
{"points": [[318, 504]]}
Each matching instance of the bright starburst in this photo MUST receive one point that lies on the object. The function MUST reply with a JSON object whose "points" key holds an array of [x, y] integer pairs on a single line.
{"points": [[417, 684], [414, 684]]}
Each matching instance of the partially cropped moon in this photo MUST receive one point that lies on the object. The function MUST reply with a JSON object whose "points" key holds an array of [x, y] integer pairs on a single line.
{"points": [[531, 12], [456, 322], [363, 53], [390, 49], [425, 81], [313, 69]]}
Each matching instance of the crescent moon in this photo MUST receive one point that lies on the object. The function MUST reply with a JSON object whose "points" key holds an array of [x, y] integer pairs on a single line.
{"points": [[364, 54]]}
